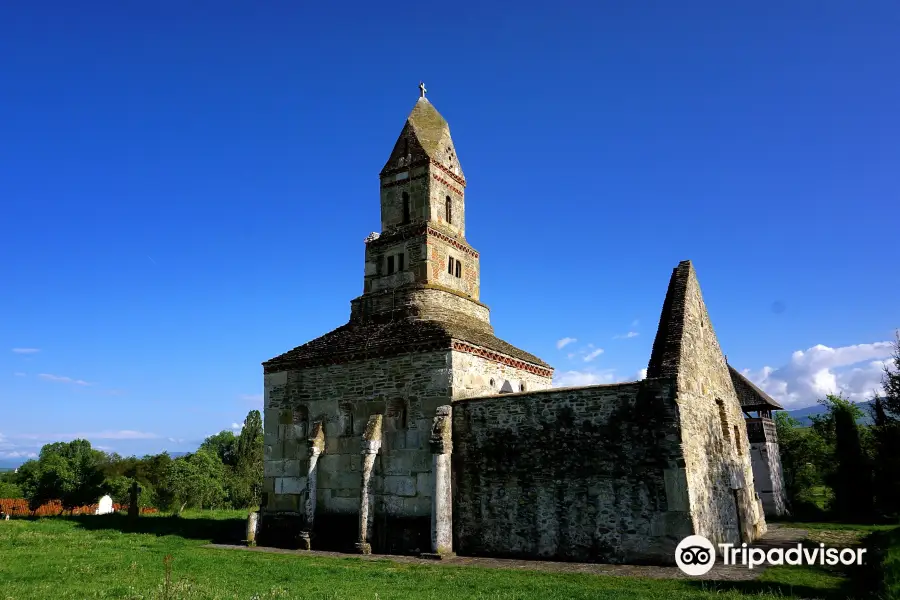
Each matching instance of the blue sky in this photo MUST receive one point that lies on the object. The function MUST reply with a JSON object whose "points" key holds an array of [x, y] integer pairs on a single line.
{"points": [[186, 188]]}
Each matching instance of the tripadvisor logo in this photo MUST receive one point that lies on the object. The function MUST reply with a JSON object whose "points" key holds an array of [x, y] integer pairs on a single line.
{"points": [[695, 555]]}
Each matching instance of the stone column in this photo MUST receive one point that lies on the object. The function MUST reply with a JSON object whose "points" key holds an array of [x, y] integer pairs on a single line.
{"points": [[371, 444], [316, 447], [442, 496], [252, 527]]}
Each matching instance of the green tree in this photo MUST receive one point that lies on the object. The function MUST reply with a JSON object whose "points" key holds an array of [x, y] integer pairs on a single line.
{"points": [[247, 481], [10, 490], [890, 381], [196, 480], [886, 432], [224, 445], [70, 472], [804, 454], [852, 476]]}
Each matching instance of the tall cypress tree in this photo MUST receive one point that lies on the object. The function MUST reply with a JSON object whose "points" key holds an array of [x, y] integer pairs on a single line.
{"points": [[852, 484]]}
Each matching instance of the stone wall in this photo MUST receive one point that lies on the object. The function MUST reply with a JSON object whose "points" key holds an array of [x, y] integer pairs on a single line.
{"points": [[439, 252], [765, 457], [586, 474], [413, 182], [724, 507], [476, 376], [425, 303], [407, 389]]}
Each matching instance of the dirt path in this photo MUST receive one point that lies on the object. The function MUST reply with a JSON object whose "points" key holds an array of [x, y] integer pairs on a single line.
{"points": [[777, 537]]}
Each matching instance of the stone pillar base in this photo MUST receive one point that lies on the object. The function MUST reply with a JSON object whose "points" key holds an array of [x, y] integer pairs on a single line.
{"points": [[438, 555], [363, 548], [304, 540]]}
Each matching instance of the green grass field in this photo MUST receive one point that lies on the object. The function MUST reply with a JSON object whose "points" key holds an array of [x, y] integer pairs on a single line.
{"points": [[103, 557]]}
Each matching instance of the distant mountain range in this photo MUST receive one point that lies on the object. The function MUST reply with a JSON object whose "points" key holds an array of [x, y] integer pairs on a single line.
{"points": [[803, 414]]}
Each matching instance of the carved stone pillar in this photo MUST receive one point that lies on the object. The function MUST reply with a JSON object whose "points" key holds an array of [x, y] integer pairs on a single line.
{"points": [[316, 442], [442, 496], [371, 444]]}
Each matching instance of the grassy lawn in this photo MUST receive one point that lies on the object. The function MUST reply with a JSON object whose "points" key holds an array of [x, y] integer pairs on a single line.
{"points": [[102, 557]]}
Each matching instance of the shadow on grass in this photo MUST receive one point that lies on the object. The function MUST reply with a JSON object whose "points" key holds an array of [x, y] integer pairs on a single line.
{"points": [[217, 531]]}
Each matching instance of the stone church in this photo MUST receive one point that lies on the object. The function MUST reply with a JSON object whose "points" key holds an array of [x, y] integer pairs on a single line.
{"points": [[413, 428]]}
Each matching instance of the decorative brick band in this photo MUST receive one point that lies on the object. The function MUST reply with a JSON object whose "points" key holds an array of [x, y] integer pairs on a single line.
{"points": [[437, 177], [449, 173], [456, 244], [502, 359]]}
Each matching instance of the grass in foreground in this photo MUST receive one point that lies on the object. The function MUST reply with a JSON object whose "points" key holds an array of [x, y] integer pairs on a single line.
{"points": [[99, 557]]}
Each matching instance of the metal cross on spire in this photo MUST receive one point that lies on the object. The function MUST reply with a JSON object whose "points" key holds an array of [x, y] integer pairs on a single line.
{"points": [[422, 90]]}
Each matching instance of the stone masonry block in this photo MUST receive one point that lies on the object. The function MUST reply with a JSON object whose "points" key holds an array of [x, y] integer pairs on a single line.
{"points": [[338, 505], [677, 490], [425, 483], [268, 485], [290, 485], [400, 486], [273, 468], [339, 479], [292, 468]]}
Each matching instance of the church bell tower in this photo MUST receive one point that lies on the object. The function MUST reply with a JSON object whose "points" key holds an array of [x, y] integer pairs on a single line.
{"points": [[422, 243]]}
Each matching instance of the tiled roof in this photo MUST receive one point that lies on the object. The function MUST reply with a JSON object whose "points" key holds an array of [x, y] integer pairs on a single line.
{"points": [[357, 341], [751, 397]]}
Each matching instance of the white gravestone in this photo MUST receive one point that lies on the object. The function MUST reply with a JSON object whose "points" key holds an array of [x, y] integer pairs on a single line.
{"points": [[104, 506]]}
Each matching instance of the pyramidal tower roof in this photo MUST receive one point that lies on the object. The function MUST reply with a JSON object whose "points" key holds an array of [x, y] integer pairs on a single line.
{"points": [[668, 347], [425, 134]]}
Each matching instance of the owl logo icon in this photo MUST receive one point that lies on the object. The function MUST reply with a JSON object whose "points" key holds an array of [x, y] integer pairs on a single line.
{"points": [[695, 555]]}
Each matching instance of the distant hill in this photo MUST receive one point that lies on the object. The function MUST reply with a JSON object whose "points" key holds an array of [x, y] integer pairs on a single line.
{"points": [[803, 414]]}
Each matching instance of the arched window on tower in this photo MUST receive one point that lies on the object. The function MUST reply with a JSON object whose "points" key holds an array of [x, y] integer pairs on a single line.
{"points": [[448, 206], [405, 208]]}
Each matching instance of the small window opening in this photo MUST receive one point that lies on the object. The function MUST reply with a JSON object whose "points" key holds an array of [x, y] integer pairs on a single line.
{"points": [[521, 387], [405, 208], [401, 261], [449, 210], [723, 418], [493, 383], [450, 266], [379, 265], [390, 261], [458, 269], [346, 420]]}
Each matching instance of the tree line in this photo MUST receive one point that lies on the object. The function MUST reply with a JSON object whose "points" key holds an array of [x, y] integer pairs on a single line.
{"points": [[838, 468], [226, 471]]}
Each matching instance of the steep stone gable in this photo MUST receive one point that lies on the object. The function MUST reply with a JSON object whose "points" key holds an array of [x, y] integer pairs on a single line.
{"points": [[714, 437]]}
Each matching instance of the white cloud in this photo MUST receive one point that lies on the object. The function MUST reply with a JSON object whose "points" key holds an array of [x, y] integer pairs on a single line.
{"points": [[593, 355], [175, 440], [583, 378], [26, 350], [252, 398], [642, 374], [61, 379], [18, 454], [854, 371], [122, 434], [570, 355], [19, 374], [630, 334], [635, 323], [237, 426], [564, 342]]}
